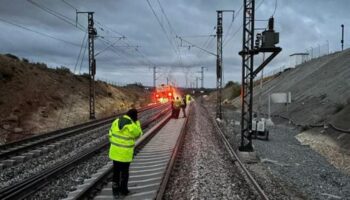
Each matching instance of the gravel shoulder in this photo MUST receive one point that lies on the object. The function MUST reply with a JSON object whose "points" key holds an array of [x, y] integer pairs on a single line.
{"points": [[203, 169], [290, 169]]}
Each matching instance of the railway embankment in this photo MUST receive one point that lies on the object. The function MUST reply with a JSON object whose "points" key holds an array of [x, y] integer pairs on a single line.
{"points": [[35, 98]]}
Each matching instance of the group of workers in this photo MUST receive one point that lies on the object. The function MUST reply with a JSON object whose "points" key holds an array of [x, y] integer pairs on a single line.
{"points": [[122, 136], [179, 103]]}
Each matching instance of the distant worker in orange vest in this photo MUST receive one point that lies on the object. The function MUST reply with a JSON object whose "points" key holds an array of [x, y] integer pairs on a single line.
{"points": [[122, 136]]}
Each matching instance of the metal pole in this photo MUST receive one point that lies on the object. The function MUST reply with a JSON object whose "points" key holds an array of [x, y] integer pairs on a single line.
{"points": [[202, 79], [219, 30], [312, 53], [269, 112], [247, 75], [92, 63], [154, 76], [261, 87], [327, 47], [342, 37]]}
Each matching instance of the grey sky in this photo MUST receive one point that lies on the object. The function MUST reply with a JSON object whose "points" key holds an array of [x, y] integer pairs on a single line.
{"points": [[302, 24]]}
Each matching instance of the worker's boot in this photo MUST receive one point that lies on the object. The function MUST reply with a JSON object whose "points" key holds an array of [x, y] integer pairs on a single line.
{"points": [[115, 189]]}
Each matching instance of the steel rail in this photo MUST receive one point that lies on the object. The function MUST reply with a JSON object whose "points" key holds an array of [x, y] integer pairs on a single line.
{"points": [[170, 166], [23, 145], [236, 159], [90, 190], [30, 185]]}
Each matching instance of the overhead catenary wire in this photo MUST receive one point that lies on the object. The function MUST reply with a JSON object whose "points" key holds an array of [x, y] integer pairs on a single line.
{"points": [[58, 15], [175, 47], [38, 32], [231, 24], [162, 26], [274, 12], [239, 28], [70, 5], [78, 25], [82, 59], [81, 48]]}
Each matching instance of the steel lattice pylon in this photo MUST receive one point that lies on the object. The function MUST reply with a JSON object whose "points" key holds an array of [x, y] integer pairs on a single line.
{"points": [[219, 65], [247, 75], [92, 64]]}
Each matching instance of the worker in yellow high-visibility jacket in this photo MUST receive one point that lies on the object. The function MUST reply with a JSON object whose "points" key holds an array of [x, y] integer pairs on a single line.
{"points": [[176, 106], [188, 99], [122, 136]]}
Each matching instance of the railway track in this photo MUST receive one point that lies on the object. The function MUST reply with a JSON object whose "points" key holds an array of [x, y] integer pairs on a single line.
{"points": [[12, 153], [28, 186], [150, 170], [238, 162]]}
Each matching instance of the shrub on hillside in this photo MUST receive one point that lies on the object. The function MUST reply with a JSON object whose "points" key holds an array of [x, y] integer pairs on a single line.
{"points": [[63, 70], [25, 60], [85, 75], [136, 84], [230, 84], [41, 65], [235, 87], [12, 56]]}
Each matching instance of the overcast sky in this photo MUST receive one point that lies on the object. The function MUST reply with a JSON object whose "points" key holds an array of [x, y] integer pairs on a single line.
{"points": [[53, 38]]}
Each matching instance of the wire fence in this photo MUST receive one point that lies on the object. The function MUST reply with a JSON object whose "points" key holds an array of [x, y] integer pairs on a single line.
{"points": [[309, 54], [318, 51], [114, 83]]}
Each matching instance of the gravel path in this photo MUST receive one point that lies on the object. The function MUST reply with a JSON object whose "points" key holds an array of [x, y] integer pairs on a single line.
{"points": [[204, 170]]}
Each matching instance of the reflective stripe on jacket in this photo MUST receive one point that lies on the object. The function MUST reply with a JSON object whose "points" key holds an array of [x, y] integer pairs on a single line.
{"points": [[122, 136]]}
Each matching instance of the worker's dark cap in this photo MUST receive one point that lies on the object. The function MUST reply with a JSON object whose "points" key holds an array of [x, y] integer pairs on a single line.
{"points": [[132, 113]]}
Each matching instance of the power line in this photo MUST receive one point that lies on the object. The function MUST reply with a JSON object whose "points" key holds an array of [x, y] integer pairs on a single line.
{"points": [[58, 15], [38, 32], [81, 48], [275, 8], [82, 59], [81, 27], [239, 28], [231, 24], [193, 45], [161, 25], [175, 46], [70, 5]]}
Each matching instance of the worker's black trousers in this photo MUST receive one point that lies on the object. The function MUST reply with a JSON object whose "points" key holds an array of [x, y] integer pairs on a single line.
{"points": [[121, 176]]}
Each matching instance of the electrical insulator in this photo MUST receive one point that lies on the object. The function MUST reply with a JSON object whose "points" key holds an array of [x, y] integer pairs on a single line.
{"points": [[271, 22], [257, 41]]}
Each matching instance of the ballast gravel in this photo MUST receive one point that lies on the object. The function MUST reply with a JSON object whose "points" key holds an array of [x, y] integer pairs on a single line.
{"points": [[67, 182], [295, 171], [60, 187], [204, 170]]}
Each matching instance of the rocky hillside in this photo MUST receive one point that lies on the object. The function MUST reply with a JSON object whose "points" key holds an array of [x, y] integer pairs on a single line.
{"points": [[36, 99]]}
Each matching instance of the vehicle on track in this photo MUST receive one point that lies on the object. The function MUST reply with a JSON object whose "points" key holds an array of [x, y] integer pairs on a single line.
{"points": [[165, 93]]}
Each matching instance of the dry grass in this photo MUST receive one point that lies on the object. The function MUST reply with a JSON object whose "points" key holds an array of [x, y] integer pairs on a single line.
{"points": [[36, 99]]}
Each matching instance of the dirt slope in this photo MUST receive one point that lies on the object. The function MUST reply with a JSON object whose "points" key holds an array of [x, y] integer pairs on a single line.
{"points": [[37, 99], [320, 90]]}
